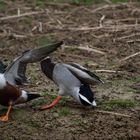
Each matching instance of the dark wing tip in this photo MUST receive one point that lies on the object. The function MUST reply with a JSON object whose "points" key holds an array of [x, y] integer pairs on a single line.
{"points": [[95, 76], [59, 43], [56, 43]]}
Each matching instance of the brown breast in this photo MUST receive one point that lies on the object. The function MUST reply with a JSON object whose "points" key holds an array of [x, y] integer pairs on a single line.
{"points": [[9, 93]]}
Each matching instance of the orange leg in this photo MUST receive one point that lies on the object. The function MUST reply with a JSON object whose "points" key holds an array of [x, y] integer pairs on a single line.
{"points": [[5, 118], [52, 104]]}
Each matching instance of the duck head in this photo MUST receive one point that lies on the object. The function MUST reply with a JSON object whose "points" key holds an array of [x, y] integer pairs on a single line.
{"points": [[86, 96]]}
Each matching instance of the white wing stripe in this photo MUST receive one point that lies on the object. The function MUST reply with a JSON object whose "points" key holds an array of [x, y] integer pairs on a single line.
{"points": [[85, 99]]}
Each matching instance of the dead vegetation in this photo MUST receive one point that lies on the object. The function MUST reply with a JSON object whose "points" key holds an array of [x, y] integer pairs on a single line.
{"points": [[104, 38]]}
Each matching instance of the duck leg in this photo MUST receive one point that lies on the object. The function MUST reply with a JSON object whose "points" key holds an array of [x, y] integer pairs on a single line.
{"points": [[5, 118], [52, 104]]}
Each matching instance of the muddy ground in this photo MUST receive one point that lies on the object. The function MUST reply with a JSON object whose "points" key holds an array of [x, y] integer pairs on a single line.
{"points": [[113, 31]]}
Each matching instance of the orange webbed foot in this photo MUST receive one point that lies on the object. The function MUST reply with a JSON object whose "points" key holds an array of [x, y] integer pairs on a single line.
{"points": [[4, 118], [52, 104], [44, 107]]}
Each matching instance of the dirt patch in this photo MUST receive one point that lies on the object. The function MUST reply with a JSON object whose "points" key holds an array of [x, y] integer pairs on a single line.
{"points": [[111, 29]]}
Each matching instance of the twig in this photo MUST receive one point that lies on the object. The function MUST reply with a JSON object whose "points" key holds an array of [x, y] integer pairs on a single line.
{"points": [[135, 10], [40, 27], [95, 36], [18, 36], [18, 12], [73, 11], [108, 71], [78, 9], [75, 56], [118, 28], [21, 15], [34, 28], [109, 6], [131, 41], [100, 8], [113, 113], [59, 22], [13, 35], [84, 28], [131, 56], [87, 49], [122, 20], [128, 36], [101, 21], [90, 49]]}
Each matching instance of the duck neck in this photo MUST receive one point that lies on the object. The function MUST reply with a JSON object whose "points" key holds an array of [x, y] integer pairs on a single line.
{"points": [[48, 70]]}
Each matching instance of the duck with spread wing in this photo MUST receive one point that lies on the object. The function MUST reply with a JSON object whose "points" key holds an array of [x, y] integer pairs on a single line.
{"points": [[14, 75]]}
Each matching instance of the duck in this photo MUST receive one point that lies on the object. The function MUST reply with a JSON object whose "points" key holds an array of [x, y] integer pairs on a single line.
{"points": [[2, 67], [14, 77], [73, 80]]}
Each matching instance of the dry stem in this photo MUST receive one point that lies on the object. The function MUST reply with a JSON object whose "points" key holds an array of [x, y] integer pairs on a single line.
{"points": [[20, 15], [113, 113], [86, 49], [131, 56], [108, 71]]}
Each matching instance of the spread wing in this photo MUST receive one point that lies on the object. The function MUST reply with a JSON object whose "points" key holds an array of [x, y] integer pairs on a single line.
{"points": [[83, 74], [15, 73]]}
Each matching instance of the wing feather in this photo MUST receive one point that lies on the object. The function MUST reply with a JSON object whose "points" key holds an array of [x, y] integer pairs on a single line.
{"points": [[83, 74], [16, 71]]}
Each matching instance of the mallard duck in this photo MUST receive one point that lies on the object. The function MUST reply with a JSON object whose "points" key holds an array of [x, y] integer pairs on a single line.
{"points": [[10, 93], [72, 79]]}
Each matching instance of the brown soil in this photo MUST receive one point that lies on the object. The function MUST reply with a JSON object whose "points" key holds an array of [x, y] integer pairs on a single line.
{"points": [[113, 29]]}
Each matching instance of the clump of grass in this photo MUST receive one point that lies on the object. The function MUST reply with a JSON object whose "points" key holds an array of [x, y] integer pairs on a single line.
{"points": [[40, 3], [132, 90], [27, 21], [39, 102], [134, 79], [63, 102], [64, 112], [77, 121], [32, 124], [31, 71], [119, 103], [41, 40], [2, 5]]}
